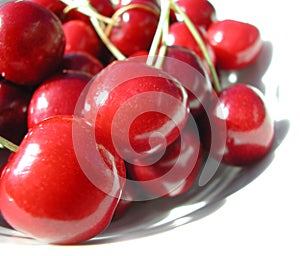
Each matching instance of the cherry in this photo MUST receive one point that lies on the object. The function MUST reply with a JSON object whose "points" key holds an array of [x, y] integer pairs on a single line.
{"points": [[56, 96], [180, 35], [45, 192], [176, 171], [31, 42], [200, 12], [81, 37], [234, 50], [81, 61], [135, 30], [14, 102], [249, 126], [135, 108]]}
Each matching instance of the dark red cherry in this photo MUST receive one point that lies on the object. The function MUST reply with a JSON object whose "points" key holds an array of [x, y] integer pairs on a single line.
{"points": [[14, 102], [58, 95], [136, 108], [81, 37], [176, 171], [135, 30], [180, 35], [249, 126], [200, 12], [45, 191], [81, 61], [234, 50], [31, 42]]}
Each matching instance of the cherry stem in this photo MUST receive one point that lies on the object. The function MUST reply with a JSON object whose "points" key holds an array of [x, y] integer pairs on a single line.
{"points": [[200, 42], [4, 143]]}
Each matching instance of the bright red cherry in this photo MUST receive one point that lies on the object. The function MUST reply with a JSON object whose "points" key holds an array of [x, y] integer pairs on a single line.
{"points": [[45, 191], [57, 96], [135, 30], [176, 171], [180, 35], [81, 61], [81, 37], [249, 126], [234, 50], [31, 42], [135, 107], [200, 12], [14, 102]]}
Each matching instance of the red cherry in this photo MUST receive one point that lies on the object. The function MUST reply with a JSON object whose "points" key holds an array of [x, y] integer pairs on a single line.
{"points": [[234, 50], [14, 102], [180, 35], [200, 12], [31, 42], [81, 37], [46, 194], [57, 96], [81, 61], [249, 126], [136, 108], [176, 171], [135, 30]]}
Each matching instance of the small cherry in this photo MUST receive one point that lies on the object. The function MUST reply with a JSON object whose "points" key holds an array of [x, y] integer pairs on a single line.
{"points": [[58, 95], [135, 108], [81, 61], [31, 42], [81, 37], [45, 191], [234, 50]]}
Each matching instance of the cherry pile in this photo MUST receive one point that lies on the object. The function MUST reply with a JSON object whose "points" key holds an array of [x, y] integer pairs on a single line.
{"points": [[104, 103]]}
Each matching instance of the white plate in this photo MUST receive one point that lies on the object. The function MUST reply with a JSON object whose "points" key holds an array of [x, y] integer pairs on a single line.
{"points": [[255, 219]]}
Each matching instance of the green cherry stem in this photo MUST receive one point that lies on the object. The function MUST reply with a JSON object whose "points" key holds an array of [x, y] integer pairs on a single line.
{"points": [[4, 143], [200, 42]]}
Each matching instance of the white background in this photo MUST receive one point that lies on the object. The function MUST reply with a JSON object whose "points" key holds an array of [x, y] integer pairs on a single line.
{"points": [[263, 217]]}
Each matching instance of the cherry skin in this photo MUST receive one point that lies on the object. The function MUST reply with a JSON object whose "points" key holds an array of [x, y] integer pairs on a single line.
{"points": [[135, 108], [234, 50], [135, 30], [180, 35], [81, 37], [200, 12], [81, 61], [57, 96], [31, 42], [176, 171], [45, 193], [249, 126], [14, 101]]}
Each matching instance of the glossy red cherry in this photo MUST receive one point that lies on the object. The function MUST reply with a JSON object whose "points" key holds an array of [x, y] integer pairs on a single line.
{"points": [[57, 96], [14, 102], [234, 50], [45, 192], [180, 35], [176, 171], [249, 126], [81, 61], [81, 37], [31, 42], [56, 6], [200, 12], [136, 108], [135, 30]]}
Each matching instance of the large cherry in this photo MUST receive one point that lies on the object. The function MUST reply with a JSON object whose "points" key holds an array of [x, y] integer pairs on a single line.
{"points": [[234, 50], [58, 95], [14, 102], [135, 107], [45, 191], [31, 42], [176, 171], [249, 127]]}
